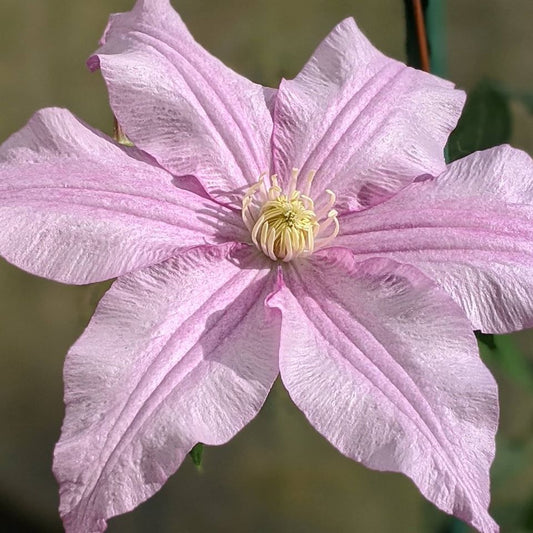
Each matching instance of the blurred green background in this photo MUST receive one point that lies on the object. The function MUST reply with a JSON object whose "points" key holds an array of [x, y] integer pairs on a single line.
{"points": [[277, 475]]}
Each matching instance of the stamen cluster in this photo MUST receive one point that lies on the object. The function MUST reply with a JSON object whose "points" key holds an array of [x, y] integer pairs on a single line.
{"points": [[285, 225]]}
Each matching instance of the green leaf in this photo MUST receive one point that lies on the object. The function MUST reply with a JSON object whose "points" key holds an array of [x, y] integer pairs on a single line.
{"points": [[486, 338], [524, 97], [506, 356], [485, 122], [196, 454]]}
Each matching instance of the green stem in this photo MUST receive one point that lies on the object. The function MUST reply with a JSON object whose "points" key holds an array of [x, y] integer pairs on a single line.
{"points": [[436, 30]]}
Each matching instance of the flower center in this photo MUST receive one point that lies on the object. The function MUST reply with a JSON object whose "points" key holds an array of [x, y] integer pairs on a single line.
{"points": [[286, 224]]}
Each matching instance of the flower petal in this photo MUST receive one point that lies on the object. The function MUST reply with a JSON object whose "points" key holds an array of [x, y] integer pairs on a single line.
{"points": [[180, 104], [76, 207], [471, 229], [365, 123], [385, 366], [180, 353]]}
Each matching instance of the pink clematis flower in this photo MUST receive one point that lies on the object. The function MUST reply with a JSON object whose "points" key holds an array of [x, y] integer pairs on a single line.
{"points": [[313, 231]]}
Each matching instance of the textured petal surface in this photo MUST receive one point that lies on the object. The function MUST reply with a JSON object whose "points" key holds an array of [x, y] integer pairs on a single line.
{"points": [[180, 104], [366, 123], [76, 207], [385, 366], [179, 353], [471, 230]]}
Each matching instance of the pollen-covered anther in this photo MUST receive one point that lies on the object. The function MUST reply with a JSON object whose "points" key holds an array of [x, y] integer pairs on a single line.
{"points": [[286, 224]]}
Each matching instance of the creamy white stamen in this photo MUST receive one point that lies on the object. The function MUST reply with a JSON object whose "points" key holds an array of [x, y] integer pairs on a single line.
{"points": [[285, 225]]}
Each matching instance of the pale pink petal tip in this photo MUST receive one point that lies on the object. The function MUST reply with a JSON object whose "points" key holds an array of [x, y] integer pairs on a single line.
{"points": [[179, 353], [167, 92], [469, 229], [384, 364], [367, 124], [77, 207]]}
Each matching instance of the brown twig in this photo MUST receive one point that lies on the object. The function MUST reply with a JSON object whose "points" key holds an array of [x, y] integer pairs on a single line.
{"points": [[421, 35]]}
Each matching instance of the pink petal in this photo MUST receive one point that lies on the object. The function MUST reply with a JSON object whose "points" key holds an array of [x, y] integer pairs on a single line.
{"points": [[366, 123], [180, 104], [180, 353], [385, 366], [471, 230], [76, 207]]}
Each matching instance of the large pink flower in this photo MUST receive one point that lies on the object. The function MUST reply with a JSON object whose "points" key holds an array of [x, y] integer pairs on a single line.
{"points": [[313, 231]]}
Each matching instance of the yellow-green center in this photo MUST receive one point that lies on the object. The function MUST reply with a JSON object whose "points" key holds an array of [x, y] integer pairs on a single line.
{"points": [[287, 225]]}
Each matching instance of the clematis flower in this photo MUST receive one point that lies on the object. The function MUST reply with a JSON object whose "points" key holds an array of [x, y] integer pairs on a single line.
{"points": [[312, 231]]}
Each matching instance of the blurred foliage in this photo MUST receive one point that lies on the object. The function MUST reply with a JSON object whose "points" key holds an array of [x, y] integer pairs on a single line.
{"points": [[485, 122], [502, 351], [196, 454], [526, 98]]}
